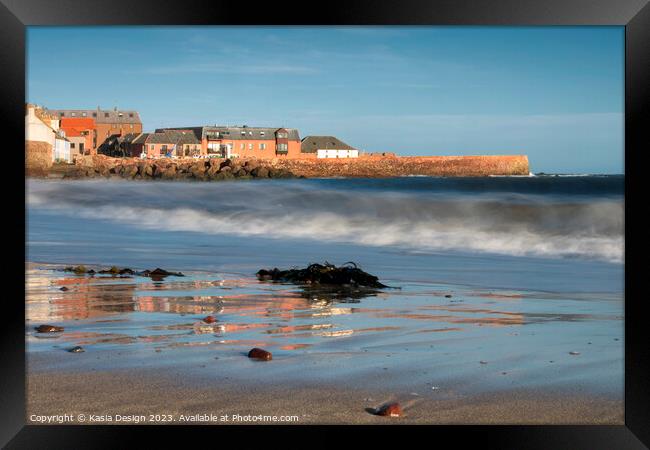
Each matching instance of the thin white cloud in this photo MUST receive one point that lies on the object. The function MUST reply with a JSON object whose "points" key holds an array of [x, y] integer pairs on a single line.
{"points": [[228, 68]]}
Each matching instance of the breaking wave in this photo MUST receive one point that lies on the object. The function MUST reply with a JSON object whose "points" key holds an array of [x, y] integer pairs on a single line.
{"points": [[422, 219]]}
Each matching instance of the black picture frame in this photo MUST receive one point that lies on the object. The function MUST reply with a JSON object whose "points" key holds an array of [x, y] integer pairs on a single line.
{"points": [[15, 15]]}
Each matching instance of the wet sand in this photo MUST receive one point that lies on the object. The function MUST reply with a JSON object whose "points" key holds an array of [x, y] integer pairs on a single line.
{"points": [[446, 353], [141, 392]]}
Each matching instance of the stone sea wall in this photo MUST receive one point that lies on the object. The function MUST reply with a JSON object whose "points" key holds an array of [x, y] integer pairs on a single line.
{"points": [[220, 169], [38, 158], [382, 166]]}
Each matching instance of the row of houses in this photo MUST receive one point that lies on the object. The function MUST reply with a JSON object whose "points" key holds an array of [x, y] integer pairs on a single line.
{"points": [[119, 133], [233, 142]]}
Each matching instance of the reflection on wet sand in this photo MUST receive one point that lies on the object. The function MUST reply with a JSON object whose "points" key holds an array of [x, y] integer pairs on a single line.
{"points": [[114, 310]]}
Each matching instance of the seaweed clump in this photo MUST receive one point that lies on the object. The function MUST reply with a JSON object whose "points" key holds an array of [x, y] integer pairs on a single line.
{"points": [[349, 274]]}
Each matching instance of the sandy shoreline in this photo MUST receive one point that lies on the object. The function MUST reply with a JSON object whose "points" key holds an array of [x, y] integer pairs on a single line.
{"points": [[476, 357], [141, 392]]}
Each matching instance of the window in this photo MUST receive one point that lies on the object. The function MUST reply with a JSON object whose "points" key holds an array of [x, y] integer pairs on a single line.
{"points": [[130, 114], [243, 133], [83, 114], [94, 114], [62, 114], [282, 148], [105, 114], [71, 144], [73, 114], [250, 146], [261, 133], [131, 126], [242, 146], [152, 146], [262, 146]]}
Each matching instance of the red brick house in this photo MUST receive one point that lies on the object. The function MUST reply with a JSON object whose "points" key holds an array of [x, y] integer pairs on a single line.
{"points": [[247, 142]]}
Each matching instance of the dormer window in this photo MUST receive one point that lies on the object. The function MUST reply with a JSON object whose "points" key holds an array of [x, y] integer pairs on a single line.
{"points": [[130, 114], [83, 114], [73, 114]]}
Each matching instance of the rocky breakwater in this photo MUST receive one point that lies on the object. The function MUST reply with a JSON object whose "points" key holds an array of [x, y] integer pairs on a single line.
{"points": [[168, 169], [396, 166]]}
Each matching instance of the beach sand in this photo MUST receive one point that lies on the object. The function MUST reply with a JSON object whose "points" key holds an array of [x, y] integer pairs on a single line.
{"points": [[479, 357], [142, 392]]}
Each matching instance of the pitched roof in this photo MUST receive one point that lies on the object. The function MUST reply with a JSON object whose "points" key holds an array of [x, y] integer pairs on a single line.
{"points": [[100, 115], [311, 144], [140, 138], [173, 137], [239, 133], [128, 138]]}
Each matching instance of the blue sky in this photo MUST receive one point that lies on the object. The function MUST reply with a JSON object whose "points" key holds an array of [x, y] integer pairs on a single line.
{"points": [[553, 93]]}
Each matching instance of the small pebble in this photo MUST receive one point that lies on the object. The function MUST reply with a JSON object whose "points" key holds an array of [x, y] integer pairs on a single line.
{"points": [[574, 353], [483, 362], [258, 353], [64, 289], [448, 296], [77, 349], [390, 410]]}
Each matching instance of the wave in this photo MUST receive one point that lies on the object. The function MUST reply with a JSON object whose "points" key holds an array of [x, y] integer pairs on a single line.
{"points": [[504, 223]]}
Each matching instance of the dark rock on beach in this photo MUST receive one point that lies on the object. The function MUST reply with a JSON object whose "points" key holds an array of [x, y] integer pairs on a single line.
{"points": [[49, 329], [159, 273], [117, 271], [258, 353], [349, 274], [77, 349]]}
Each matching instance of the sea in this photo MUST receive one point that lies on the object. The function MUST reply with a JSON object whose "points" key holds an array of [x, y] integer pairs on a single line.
{"points": [[495, 283]]}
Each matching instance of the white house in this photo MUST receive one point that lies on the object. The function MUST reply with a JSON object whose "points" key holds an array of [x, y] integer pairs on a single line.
{"points": [[327, 147], [40, 127]]}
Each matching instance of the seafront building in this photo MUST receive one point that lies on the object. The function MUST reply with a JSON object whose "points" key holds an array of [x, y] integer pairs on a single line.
{"points": [[119, 133], [45, 141], [109, 124], [327, 147], [80, 133], [245, 141], [169, 143]]}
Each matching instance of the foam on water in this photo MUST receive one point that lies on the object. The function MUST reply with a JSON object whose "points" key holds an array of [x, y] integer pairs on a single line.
{"points": [[419, 215]]}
